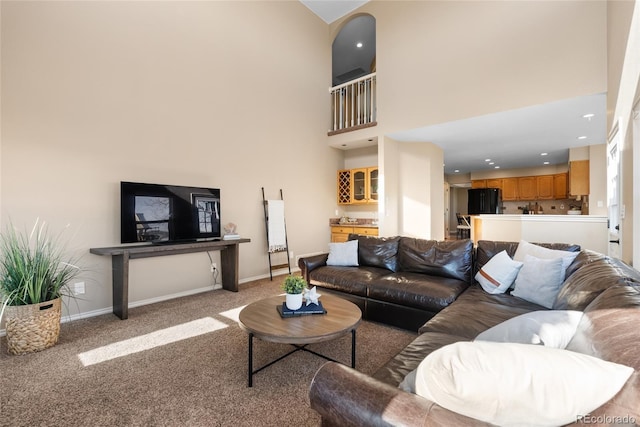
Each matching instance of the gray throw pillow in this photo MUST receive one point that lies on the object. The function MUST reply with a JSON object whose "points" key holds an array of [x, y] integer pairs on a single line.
{"points": [[343, 254]]}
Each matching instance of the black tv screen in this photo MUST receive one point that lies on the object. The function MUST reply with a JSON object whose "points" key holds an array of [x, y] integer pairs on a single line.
{"points": [[159, 213]]}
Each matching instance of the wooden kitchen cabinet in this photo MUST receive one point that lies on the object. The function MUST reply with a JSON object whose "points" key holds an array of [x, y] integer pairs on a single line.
{"points": [[527, 188], [341, 233], [579, 178], [479, 183], [544, 184], [510, 189], [357, 186], [560, 185], [494, 183]]}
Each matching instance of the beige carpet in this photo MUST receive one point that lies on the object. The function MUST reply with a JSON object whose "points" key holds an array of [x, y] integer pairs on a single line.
{"points": [[181, 362]]}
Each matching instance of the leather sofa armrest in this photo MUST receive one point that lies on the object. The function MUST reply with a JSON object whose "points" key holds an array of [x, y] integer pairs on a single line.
{"points": [[307, 264], [346, 397]]}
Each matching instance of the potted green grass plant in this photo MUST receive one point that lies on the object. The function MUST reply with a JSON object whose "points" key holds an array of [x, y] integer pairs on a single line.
{"points": [[34, 275], [294, 286]]}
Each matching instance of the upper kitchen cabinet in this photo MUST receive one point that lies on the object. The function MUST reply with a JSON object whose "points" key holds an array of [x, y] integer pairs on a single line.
{"points": [[579, 178], [486, 183], [545, 187], [494, 183], [509, 189], [560, 185], [358, 186], [527, 189]]}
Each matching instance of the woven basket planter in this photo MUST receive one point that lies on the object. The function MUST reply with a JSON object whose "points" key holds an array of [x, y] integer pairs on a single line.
{"points": [[33, 327]]}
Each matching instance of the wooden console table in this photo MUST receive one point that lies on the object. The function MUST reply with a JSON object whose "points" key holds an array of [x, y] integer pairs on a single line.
{"points": [[120, 256]]}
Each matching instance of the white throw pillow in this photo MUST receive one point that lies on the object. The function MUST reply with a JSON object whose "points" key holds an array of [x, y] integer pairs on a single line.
{"points": [[525, 248], [518, 384], [539, 280], [343, 254], [553, 328], [497, 275]]}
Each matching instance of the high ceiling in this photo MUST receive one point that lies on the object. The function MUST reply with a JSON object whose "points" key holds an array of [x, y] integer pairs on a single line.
{"points": [[330, 10], [511, 139]]}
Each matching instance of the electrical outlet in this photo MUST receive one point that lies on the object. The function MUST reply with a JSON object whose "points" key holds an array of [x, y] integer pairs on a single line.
{"points": [[78, 288]]}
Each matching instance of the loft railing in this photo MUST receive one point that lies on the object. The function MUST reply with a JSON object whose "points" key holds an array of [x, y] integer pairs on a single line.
{"points": [[353, 104]]}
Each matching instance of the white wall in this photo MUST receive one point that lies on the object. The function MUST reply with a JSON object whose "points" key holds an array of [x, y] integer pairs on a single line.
{"points": [[218, 94], [414, 189]]}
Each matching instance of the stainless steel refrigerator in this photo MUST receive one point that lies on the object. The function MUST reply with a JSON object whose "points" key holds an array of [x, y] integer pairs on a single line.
{"points": [[484, 201]]}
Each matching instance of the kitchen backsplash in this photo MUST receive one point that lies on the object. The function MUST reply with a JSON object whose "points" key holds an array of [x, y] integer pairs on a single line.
{"points": [[548, 207]]}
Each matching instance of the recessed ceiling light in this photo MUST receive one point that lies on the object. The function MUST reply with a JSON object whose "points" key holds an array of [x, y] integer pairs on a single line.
{"points": [[582, 137], [544, 154], [457, 170], [496, 167], [359, 45], [588, 116], [487, 160], [546, 163], [491, 163]]}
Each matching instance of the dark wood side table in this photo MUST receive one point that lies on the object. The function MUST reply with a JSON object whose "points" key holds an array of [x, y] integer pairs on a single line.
{"points": [[262, 320], [120, 256]]}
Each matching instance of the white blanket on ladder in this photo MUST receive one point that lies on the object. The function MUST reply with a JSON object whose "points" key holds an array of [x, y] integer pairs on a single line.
{"points": [[277, 234]]}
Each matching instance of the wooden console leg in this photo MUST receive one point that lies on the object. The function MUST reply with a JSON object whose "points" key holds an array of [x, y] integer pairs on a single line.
{"points": [[120, 289], [229, 263]]}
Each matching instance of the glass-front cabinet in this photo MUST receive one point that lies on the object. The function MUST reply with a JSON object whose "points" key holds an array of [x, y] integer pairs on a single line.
{"points": [[373, 184], [360, 187]]}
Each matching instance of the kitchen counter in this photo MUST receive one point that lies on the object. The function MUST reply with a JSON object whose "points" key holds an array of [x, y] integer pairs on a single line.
{"points": [[588, 231], [354, 224]]}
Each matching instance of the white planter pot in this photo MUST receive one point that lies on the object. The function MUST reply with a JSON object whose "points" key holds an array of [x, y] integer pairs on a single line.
{"points": [[293, 301]]}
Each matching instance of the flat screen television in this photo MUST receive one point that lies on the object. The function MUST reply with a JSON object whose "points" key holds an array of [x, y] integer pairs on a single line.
{"points": [[159, 213]]}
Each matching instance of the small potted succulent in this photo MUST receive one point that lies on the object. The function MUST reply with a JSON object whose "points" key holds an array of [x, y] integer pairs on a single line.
{"points": [[294, 286]]}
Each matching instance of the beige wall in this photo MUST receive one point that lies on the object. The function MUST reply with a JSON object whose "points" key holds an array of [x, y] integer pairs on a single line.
{"points": [[221, 94], [439, 61]]}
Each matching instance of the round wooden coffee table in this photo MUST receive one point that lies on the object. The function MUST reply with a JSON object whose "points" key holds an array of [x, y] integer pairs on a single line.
{"points": [[262, 320]]}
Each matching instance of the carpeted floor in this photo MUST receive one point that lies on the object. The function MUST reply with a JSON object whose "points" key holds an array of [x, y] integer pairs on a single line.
{"points": [[143, 372]]}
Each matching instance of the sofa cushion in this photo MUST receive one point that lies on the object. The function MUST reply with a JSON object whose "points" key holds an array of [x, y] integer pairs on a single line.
{"points": [[431, 293], [352, 280], [486, 249], [583, 286], [525, 248], [498, 274], [551, 328], [381, 252], [343, 254], [539, 280], [609, 327], [396, 369], [450, 258], [518, 384], [475, 311]]}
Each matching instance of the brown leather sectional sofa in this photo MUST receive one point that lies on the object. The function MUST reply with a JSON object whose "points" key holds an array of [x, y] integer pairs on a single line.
{"points": [[605, 289]]}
